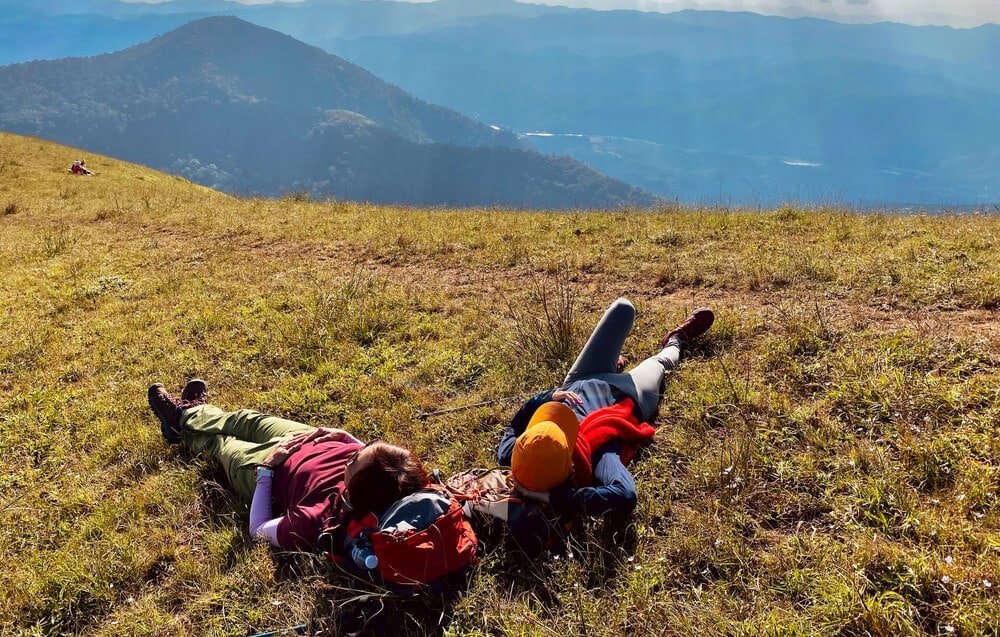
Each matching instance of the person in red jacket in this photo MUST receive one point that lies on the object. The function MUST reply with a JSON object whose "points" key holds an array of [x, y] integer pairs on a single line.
{"points": [[570, 446], [299, 480]]}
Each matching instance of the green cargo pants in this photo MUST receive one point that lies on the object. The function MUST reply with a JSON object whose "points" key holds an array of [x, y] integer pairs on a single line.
{"points": [[237, 440]]}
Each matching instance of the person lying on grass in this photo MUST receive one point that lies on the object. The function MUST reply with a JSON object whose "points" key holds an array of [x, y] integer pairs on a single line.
{"points": [[318, 476], [569, 446]]}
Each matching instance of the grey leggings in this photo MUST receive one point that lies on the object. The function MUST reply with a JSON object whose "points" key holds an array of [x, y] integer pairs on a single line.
{"points": [[599, 359]]}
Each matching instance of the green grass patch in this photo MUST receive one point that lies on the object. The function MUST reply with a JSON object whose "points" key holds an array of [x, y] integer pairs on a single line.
{"points": [[826, 461]]}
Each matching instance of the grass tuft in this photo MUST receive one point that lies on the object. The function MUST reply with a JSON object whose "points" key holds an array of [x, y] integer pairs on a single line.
{"points": [[545, 333]]}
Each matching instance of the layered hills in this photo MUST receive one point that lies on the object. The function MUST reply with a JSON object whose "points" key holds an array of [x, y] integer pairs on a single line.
{"points": [[730, 106], [700, 105], [246, 109]]}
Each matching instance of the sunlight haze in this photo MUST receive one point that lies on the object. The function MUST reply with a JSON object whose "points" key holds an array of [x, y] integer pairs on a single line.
{"points": [[958, 13]]}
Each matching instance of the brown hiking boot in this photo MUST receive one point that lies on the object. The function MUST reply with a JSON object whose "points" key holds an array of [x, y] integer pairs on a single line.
{"points": [[167, 410], [195, 393], [692, 327]]}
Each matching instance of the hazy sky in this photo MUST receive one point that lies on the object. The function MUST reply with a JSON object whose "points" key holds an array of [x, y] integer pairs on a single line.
{"points": [[961, 13]]}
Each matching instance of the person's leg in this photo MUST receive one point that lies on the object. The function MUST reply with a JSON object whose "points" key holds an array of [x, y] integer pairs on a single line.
{"points": [[236, 440], [647, 378], [245, 424], [600, 354], [644, 382], [238, 459]]}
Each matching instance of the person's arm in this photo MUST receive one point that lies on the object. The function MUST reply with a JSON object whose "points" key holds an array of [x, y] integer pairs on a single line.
{"points": [[590, 501], [262, 525], [518, 424], [614, 494]]}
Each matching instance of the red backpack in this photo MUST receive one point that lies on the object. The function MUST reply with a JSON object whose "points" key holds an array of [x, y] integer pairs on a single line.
{"points": [[418, 541]]}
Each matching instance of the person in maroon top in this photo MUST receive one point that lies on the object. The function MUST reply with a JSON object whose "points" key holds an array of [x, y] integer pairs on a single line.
{"points": [[79, 167], [316, 476]]}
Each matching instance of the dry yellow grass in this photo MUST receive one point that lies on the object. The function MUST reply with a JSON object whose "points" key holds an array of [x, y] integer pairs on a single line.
{"points": [[827, 461]]}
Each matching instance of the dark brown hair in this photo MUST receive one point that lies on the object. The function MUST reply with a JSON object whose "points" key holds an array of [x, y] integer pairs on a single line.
{"points": [[393, 473]]}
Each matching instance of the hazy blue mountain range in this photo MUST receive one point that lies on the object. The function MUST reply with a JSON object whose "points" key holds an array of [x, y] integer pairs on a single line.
{"points": [[694, 105], [247, 109], [710, 106]]}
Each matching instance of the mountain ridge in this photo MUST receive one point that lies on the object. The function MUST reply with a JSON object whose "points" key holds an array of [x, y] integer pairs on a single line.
{"points": [[780, 90]]}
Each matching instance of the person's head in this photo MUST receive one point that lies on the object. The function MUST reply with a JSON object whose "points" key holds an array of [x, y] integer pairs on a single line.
{"points": [[543, 454], [379, 475]]}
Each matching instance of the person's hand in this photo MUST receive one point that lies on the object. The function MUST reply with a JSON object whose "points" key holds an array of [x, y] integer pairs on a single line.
{"points": [[331, 434], [569, 397], [620, 365], [324, 434], [538, 496], [282, 452], [321, 434]]}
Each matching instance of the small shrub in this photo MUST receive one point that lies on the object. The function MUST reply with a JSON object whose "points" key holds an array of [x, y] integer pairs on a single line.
{"points": [[516, 251], [546, 333], [370, 308], [57, 243], [984, 293], [668, 239], [104, 285], [935, 464], [789, 213], [11, 209], [886, 505], [886, 615], [361, 309]]}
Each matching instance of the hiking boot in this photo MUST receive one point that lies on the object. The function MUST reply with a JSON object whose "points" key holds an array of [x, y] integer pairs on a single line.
{"points": [[195, 393], [167, 411], [692, 327]]}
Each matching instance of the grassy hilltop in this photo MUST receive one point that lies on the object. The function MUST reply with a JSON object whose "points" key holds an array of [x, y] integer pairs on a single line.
{"points": [[827, 460]]}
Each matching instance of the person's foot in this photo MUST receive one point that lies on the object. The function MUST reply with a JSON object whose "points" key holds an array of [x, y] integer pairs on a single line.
{"points": [[167, 411], [195, 393], [692, 327]]}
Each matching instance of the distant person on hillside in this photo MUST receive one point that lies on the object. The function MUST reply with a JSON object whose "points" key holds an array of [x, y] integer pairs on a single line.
{"points": [[319, 477], [79, 167], [570, 446]]}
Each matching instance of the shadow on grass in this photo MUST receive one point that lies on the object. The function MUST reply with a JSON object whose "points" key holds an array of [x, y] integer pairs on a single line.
{"points": [[345, 604], [602, 546], [606, 546], [365, 610]]}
